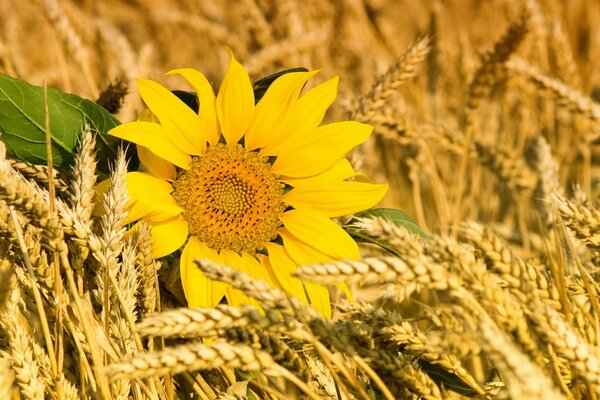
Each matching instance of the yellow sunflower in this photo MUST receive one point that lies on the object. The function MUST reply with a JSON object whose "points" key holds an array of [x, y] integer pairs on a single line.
{"points": [[249, 186]]}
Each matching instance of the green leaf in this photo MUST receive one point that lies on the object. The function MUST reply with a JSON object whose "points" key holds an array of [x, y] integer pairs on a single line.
{"points": [[449, 380], [261, 85], [361, 237], [395, 216], [22, 126]]}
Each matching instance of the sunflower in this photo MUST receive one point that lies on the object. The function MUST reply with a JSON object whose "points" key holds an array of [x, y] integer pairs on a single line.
{"points": [[252, 186]]}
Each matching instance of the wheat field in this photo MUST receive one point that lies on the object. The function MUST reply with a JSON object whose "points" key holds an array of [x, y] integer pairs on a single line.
{"points": [[486, 127]]}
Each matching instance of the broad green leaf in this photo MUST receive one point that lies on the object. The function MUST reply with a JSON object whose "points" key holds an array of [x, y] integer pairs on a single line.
{"points": [[22, 126], [396, 217]]}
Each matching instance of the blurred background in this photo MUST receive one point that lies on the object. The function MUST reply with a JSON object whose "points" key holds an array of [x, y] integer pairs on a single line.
{"points": [[473, 81]]}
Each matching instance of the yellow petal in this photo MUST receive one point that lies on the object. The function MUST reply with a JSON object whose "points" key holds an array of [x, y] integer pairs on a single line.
{"points": [[306, 113], [177, 119], [318, 297], [301, 253], [338, 172], [199, 290], [155, 165], [207, 101], [149, 197], [235, 102], [167, 236], [283, 266], [318, 231], [317, 150], [273, 109], [255, 269], [235, 297], [334, 199], [153, 137]]}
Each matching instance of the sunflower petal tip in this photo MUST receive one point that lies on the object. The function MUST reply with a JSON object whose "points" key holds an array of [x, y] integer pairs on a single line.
{"points": [[142, 81], [230, 52]]}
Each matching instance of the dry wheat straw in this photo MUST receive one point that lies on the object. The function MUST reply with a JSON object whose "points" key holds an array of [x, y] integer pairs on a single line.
{"points": [[65, 30], [282, 49], [512, 171], [191, 357], [123, 293], [488, 74], [257, 23], [212, 30]]}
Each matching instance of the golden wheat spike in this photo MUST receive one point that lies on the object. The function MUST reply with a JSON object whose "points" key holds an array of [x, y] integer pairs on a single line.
{"points": [[402, 70], [281, 352], [581, 218], [190, 357], [524, 379], [379, 270], [268, 296], [568, 96], [554, 329], [205, 322]]}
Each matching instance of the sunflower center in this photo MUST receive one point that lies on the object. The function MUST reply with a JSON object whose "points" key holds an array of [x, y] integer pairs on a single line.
{"points": [[230, 199]]}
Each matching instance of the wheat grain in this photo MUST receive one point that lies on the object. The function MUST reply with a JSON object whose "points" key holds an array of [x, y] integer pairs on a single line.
{"points": [[582, 220], [568, 96], [30, 202], [281, 352], [555, 330], [38, 173], [257, 289], [147, 269], [524, 379], [401, 71], [207, 322], [378, 270], [26, 367], [190, 357]]}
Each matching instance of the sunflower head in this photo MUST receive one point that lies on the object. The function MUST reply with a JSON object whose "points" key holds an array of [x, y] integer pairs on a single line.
{"points": [[252, 186]]}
